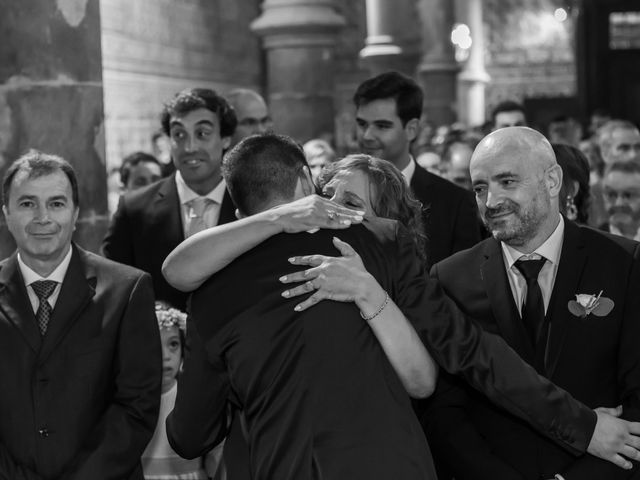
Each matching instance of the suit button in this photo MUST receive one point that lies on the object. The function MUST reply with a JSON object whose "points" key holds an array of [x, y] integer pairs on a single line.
{"points": [[43, 432]]}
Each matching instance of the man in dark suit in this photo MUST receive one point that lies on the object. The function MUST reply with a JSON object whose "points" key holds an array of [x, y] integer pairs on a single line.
{"points": [[81, 362], [318, 393], [151, 222], [564, 297], [388, 110]]}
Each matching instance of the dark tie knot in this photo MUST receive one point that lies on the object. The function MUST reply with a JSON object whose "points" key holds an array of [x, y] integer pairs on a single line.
{"points": [[44, 288], [530, 268]]}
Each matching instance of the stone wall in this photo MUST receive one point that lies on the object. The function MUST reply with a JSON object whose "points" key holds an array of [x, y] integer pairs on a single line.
{"points": [[154, 48]]}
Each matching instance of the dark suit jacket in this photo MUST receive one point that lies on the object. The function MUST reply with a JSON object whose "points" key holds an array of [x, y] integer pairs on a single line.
{"points": [[596, 359], [82, 401], [147, 226], [450, 215], [316, 388]]}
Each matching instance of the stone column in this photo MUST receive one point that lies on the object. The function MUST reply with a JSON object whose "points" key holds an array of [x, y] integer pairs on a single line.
{"points": [[474, 77], [51, 98], [299, 38], [381, 52], [438, 67]]}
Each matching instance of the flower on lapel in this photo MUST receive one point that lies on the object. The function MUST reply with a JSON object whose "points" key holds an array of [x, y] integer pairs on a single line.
{"points": [[586, 304]]}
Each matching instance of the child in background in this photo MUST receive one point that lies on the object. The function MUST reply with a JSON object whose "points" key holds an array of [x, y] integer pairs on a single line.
{"points": [[159, 461]]}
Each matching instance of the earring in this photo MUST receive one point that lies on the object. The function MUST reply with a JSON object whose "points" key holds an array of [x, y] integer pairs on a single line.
{"points": [[572, 210]]}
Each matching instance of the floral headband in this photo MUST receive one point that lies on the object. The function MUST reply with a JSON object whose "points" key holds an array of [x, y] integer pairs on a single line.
{"points": [[171, 317]]}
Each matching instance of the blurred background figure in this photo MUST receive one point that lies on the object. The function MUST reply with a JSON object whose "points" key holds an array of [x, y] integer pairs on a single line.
{"points": [[161, 149], [252, 112], [455, 163], [509, 114], [621, 186], [319, 154], [598, 118], [565, 129], [575, 195], [619, 141], [139, 170], [430, 160]]}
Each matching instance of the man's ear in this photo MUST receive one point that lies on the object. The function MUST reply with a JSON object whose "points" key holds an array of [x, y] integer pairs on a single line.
{"points": [[304, 185], [554, 179], [5, 211], [412, 128], [239, 215], [226, 141]]}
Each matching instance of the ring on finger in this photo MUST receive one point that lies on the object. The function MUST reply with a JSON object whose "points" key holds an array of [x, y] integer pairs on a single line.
{"points": [[331, 214], [309, 286]]}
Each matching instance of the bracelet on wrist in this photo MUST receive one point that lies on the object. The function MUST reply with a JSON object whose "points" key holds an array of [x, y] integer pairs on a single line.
{"points": [[379, 311]]}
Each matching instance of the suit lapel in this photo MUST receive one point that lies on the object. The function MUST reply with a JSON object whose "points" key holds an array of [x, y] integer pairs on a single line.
{"points": [[15, 304], [78, 288], [166, 206], [498, 289], [573, 258]]}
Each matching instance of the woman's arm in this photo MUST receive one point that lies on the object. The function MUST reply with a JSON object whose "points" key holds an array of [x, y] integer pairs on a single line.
{"points": [[207, 252], [345, 279]]}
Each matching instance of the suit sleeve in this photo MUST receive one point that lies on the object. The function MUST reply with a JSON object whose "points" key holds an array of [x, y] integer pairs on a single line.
{"points": [[589, 467], [454, 439], [467, 231], [117, 244], [485, 360], [10, 470], [198, 421], [113, 449]]}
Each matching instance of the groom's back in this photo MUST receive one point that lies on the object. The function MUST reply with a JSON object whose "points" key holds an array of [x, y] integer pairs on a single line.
{"points": [[316, 388]]}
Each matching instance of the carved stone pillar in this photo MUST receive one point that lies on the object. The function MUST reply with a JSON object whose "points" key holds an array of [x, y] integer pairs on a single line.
{"points": [[299, 38], [474, 77], [51, 99]]}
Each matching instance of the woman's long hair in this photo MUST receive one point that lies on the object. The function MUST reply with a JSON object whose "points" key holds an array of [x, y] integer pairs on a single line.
{"points": [[390, 195]]}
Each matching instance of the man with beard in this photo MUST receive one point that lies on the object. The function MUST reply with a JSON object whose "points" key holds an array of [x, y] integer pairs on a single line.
{"points": [[619, 141], [388, 110], [152, 221], [563, 296], [622, 199]]}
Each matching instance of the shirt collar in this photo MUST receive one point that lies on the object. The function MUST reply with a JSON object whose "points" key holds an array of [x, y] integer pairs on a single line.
{"points": [[550, 249], [185, 194], [616, 231], [409, 170], [57, 275]]}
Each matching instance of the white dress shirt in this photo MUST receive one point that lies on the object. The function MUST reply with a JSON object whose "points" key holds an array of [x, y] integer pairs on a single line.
{"points": [[550, 250], [185, 195], [409, 170], [57, 275]]}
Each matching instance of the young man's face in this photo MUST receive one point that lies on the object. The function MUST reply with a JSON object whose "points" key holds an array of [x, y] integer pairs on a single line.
{"points": [[381, 133], [197, 147], [514, 118]]}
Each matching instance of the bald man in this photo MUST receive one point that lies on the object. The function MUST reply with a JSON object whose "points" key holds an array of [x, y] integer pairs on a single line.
{"points": [[523, 284], [252, 112]]}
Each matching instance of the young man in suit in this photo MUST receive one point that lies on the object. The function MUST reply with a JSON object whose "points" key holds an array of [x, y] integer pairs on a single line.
{"points": [[151, 222], [388, 110], [564, 297], [81, 359], [316, 388]]}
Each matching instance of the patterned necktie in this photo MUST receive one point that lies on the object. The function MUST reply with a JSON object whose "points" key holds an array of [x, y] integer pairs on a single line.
{"points": [[533, 310], [43, 289], [197, 209]]}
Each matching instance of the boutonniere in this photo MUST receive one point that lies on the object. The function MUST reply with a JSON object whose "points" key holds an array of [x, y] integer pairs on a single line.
{"points": [[586, 304]]}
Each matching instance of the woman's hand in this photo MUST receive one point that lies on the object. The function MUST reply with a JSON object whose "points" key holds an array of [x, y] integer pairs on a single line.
{"points": [[314, 212], [343, 279]]}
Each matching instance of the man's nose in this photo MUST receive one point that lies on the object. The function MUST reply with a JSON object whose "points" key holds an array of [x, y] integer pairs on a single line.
{"points": [[493, 199], [190, 143], [620, 201], [367, 133], [42, 214]]}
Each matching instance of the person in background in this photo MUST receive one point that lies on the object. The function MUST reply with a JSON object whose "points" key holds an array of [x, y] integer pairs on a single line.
{"points": [[508, 114], [621, 193], [251, 111], [161, 148], [565, 129], [575, 194], [80, 364], [455, 163], [319, 154], [139, 169], [159, 461], [619, 141]]}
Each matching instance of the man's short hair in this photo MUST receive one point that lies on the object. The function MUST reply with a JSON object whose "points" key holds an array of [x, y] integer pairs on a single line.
{"points": [[263, 168], [133, 160], [404, 90], [605, 132], [507, 106], [38, 164], [192, 99], [624, 167]]}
